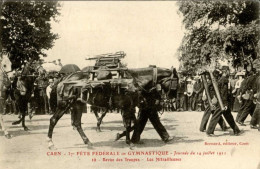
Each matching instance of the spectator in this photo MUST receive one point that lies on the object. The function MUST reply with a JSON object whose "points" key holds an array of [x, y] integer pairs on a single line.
{"points": [[48, 92]]}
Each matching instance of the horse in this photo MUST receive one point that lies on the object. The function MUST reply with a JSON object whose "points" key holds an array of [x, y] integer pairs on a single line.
{"points": [[24, 84], [107, 97], [63, 95], [5, 66], [104, 96], [147, 80]]}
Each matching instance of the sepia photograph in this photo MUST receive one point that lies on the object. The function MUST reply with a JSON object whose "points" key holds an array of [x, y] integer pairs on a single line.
{"points": [[129, 84]]}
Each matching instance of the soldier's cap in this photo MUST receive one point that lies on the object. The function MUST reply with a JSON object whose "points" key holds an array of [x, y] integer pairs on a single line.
{"points": [[189, 80], [51, 80], [225, 68], [240, 74]]}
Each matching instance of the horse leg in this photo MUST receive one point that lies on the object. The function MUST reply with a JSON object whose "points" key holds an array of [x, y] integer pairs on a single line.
{"points": [[100, 120], [53, 121], [23, 121], [95, 111], [77, 111], [23, 108], [72, 114], [127, 120], [19, 105], [120, 135], [18, 101], [123, 134], [128, 131], [7, 135], [30, 109]]}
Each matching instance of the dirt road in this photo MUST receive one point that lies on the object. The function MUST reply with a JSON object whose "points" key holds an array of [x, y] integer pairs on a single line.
{"points": [[192, 150]]}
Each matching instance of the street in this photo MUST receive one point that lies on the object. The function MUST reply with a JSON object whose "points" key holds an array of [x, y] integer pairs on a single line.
{"points": [[192, 149]]}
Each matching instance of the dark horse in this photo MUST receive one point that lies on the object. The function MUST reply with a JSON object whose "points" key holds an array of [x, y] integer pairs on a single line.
{"points": [[24, 84], [147, 80], [108, 96], [66, 99]]}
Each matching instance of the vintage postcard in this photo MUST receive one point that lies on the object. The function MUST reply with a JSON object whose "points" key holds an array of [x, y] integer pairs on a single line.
{"points": [[129, 85]]}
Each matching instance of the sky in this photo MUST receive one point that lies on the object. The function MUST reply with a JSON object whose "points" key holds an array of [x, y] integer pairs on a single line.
{"points": [[148, 32]]}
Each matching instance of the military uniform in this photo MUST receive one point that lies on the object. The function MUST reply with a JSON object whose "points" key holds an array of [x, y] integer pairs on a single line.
{"points": [[149, 110], [223, 89], [232, 83], [249, 106], [208, 112], [256, 115]]}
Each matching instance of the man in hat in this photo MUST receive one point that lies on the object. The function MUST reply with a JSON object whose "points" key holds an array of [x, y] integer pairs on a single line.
{"points": [[189, 92], [197, 90], [223, 90], [149, 110], [180, 93], [241, 84], [210, 110], [256, 115], [247, 94], [232, 84], [41, 85]]}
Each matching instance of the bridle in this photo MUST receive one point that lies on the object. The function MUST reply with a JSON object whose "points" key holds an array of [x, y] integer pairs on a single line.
{"points": [[4, 72]]}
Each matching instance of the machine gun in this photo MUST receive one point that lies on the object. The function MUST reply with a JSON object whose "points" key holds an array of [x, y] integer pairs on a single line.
{"points": [[206, 87], [109, 60], [216, 89], [215, 85]]}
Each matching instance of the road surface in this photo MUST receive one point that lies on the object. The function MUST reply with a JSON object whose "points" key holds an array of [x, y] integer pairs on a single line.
{"points": [[192, 149]]}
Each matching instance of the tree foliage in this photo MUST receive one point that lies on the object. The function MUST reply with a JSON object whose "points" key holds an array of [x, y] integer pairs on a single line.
{"points": [[217, 30], [26, 29]]}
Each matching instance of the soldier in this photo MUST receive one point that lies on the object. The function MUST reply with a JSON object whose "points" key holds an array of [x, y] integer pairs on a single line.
{"points": [[232, 83], [223, 89], [197, 90], [249, 90], [210, 110], [150, 111], [256, 115]]}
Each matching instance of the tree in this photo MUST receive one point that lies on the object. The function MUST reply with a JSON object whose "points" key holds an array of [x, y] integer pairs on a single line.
{"points": [[26, 29], [217, 30]]}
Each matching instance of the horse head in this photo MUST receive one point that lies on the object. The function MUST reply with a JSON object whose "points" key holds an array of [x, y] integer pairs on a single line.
{"points": [[5, 63], [5, 67]]}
